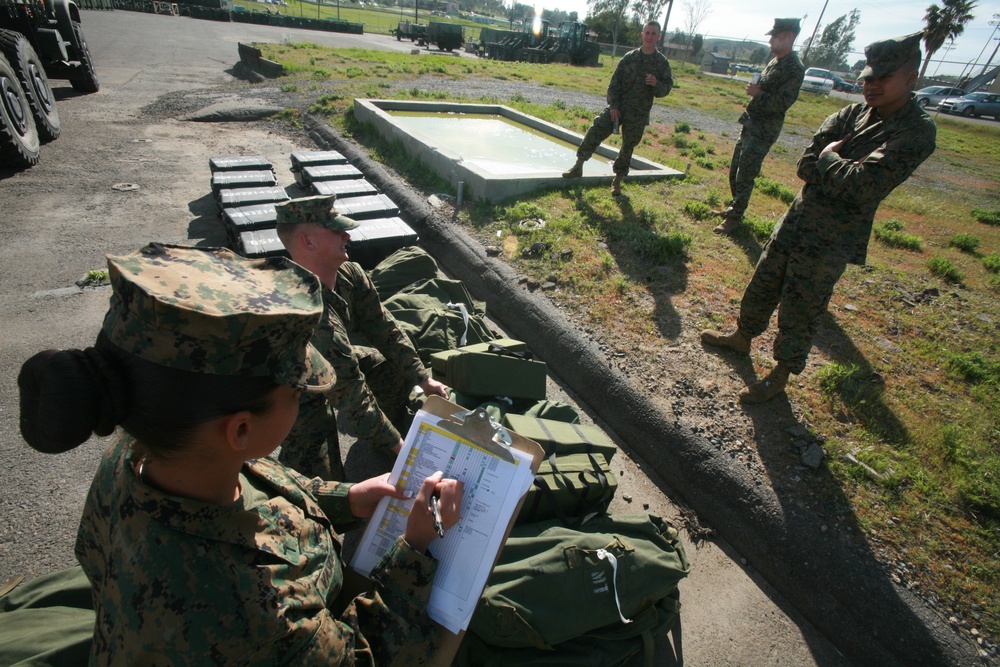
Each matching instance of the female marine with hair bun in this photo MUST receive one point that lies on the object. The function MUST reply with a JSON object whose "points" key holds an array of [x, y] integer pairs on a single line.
{"points": [[200, 549]]}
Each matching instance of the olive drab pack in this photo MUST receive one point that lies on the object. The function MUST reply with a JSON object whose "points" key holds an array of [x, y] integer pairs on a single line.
{"points": [[596, 595], [438, 315], [401, 268]]}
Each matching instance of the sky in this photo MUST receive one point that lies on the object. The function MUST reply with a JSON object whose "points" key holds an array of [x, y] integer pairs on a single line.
{"points": [[742, 19]]}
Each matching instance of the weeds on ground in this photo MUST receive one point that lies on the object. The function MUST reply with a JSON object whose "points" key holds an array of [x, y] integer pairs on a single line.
{"points": [[945, 269], [964, 242], [760, 228], [774, 189], [987, 217], [890, 234]]}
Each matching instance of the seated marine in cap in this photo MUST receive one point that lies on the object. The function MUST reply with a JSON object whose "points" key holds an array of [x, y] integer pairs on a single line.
{"points": [[199, 548], [771, 95], [373, 383], [859, 155]]}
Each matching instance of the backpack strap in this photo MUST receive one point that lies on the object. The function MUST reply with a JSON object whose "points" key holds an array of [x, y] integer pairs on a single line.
{"points": [[610, 557], [585, 508], [465, 316], [648, 648], [504, 351]]}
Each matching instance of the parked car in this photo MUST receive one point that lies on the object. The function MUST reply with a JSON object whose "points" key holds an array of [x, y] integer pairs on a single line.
{"points": [[845, 86], [934, 95], [973, 104], [818, 80]]}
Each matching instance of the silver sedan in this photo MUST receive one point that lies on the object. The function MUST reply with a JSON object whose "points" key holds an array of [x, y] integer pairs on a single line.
{"points": [[973, 104]]}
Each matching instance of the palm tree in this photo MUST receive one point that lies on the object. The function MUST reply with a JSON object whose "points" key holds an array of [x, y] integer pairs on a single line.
{"points": [[945, 23]]}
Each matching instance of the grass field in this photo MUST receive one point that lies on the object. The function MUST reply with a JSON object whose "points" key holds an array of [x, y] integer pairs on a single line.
{"points": [[378, 21], [906, 393]]}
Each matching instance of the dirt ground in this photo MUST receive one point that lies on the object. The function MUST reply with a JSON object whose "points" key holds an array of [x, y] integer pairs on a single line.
{"points": [[129, 170]]}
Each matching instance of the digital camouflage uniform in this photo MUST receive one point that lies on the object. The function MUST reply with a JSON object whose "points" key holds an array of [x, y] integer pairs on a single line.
{"points": [[181, 582], [830, 221], [629, 93], [373, 383], [178, 581], [762, 121]]}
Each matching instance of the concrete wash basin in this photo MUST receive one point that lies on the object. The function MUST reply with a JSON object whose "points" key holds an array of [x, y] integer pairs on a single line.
{"points": [[493, 150]]}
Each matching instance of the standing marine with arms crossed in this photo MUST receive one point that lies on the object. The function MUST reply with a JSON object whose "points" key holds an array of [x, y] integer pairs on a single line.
{"points": [[770, 97], [641, 75], [859, 155]]}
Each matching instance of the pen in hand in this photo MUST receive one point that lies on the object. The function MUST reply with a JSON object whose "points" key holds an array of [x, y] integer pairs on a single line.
{"points": [[436, 509]]}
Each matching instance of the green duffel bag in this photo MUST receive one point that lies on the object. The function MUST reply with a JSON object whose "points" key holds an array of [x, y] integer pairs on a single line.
{"points": [[554, 410], [438, 315], [48, 621], [496, 374], [593, 596], [561, 438], [441, 329], [401, 269], [434, 293], [573, 489]]}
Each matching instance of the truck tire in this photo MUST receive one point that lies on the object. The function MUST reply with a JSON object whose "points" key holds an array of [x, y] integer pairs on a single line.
{"points": [[19, 145], [83, 79], [562, 58], [22, 58]]}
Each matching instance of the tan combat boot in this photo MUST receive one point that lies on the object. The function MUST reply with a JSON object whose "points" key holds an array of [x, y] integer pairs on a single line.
{"points": [[767, 387], [576, 171], [730, 222], [616, 185], [736, 341]]}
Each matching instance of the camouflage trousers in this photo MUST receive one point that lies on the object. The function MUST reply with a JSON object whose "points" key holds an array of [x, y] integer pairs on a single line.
{"points": [[748, 156], [389, 386], [802, 285], [601, 129], [313, 445], [312, 448]]}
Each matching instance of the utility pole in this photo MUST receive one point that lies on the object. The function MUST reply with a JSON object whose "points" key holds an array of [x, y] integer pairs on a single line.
{"points": [[996, 24], [805, 54]]}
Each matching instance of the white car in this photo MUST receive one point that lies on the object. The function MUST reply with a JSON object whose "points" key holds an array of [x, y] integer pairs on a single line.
{"points": [[817, 80]]}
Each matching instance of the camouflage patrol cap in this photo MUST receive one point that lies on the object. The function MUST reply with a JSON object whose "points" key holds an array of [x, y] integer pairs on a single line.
{"points": [[885, 57], [208, 310], [784, 25], [318, 210]]}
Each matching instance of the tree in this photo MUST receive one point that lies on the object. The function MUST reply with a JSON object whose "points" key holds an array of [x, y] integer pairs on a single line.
{"points": [[834, 43], [648, 10], [616, 9], [944, 23], [859, 65], [695, 13], [696, 45], [760, 56]]}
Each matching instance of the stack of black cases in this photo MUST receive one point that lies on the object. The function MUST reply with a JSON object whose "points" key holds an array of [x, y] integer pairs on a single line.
{"points": [[247, 200]]}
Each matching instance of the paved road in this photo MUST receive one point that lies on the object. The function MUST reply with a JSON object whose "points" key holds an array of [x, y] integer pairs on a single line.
{"points": [[61, 218]]}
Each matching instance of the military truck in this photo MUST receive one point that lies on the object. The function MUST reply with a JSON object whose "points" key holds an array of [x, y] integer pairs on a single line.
{"points": [[39, 39], [415, 32], [567, 44], [445, 36], [537, 43]]}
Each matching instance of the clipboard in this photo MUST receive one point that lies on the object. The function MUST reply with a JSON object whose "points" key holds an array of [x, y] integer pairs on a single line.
{"points": [[476, 428]]}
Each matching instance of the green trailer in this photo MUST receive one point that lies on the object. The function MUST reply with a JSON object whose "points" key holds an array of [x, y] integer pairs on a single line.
{"points": [[445, 36], [38, 40]]}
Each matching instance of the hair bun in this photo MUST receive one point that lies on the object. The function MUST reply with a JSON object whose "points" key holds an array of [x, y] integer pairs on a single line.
{"points": [[65, 397]]}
